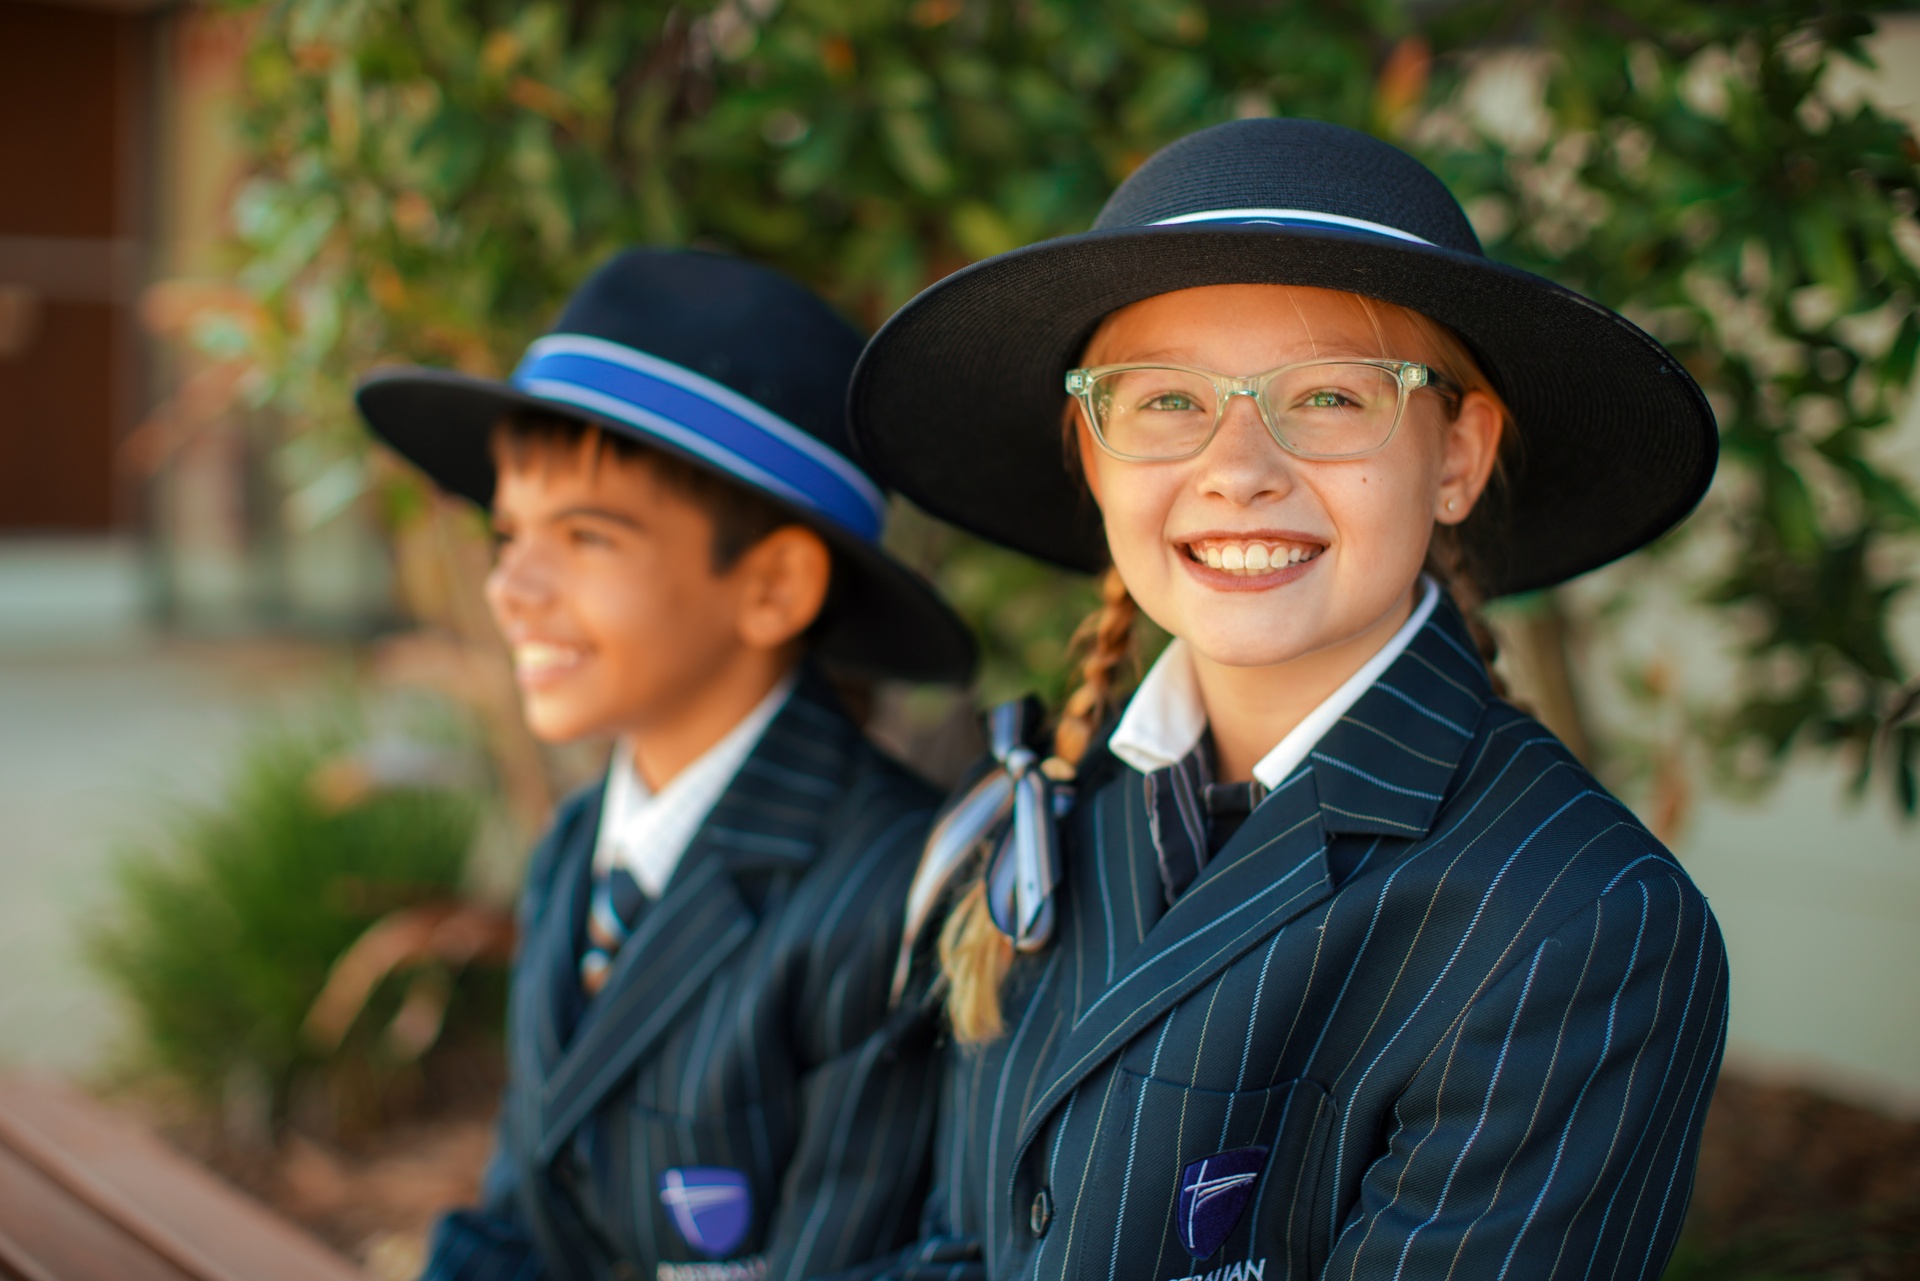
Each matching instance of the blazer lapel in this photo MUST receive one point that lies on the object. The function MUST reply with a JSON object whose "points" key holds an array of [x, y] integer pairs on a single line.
{"points": [[547, 996], [1382, 770], [1385, 767], [683, 939], [769, 821], [1273, 870], [546, 1002]]}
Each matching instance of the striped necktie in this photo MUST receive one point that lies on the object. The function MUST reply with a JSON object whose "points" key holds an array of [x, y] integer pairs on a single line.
{"points": [[612, 912], [1191, 817]]}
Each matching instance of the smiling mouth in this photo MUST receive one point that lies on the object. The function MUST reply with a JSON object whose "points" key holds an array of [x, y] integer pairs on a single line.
{"points": [[1248, 557], [540, 658]]}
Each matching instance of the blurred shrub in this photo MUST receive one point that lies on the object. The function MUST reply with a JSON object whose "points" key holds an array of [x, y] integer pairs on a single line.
{"points": [[226, 924]]}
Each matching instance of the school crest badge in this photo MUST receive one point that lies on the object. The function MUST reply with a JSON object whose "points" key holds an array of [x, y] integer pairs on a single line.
{"points": [[1214, 1192], [710, 1205]]}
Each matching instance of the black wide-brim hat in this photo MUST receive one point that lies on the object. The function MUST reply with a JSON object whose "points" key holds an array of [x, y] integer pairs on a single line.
{"points": [[732, 367], [957, 400]]}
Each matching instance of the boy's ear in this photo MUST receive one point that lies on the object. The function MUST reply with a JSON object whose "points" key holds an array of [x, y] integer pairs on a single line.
{"points": [[782, 582]]}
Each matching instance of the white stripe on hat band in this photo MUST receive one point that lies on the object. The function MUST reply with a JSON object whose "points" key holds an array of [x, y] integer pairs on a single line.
{"points": [[1292, 215], [694, 443]]}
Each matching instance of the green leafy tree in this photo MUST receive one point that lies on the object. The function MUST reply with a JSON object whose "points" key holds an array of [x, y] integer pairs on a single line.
{"points": [[430, 179]]}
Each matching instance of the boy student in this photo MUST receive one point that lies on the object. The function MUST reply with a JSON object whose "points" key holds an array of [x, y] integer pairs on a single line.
{"points": [[701, 1085], [1343, 967]]}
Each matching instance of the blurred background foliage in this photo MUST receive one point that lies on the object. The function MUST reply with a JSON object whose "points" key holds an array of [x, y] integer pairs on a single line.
{"points": [[228, 921], [430, 178]]}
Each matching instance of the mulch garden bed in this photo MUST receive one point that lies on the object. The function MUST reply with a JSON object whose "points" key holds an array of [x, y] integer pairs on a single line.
{"points": [[1795, 1184]]}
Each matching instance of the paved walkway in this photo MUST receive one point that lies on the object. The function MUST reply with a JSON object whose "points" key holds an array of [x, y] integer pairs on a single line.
{"points": [[95, 747]]}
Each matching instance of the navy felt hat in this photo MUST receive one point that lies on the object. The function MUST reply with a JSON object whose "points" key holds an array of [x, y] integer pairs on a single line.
{"points": [[732, 367], [957, 400]]}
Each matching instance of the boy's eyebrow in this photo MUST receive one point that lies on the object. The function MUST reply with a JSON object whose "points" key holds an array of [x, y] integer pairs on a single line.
{"points": [[596, 513]]}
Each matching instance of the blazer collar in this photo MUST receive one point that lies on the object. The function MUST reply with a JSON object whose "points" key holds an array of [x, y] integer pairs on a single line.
{"points": [[771, 820], [1383, 769], [1166, 718], [774, 814]]}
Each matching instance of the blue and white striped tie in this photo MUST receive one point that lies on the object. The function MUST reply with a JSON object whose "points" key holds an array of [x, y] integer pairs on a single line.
{"points": [[612, 913]]}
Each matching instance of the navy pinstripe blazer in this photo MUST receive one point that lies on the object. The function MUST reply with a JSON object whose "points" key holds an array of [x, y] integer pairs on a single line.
{"points": [[743, 1025], [1447, 1001]]}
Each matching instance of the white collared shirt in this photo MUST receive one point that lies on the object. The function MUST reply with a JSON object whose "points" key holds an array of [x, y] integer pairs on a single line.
{"points": [[647, 832], [1166, 717]]}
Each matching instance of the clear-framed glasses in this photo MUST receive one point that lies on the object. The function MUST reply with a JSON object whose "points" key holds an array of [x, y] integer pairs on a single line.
{"points": [[1321, 409]]}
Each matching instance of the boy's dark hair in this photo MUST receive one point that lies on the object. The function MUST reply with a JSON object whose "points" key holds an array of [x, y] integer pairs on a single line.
{"points": [[740, 517]]}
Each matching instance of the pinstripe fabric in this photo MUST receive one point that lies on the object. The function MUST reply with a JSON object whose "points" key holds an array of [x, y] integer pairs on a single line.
{"points": [[1470, 1006], [1178, 818], [743, 1025]]}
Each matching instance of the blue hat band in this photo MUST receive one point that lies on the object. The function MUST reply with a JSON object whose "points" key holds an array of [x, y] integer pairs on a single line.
{"points": [[701, 417]]}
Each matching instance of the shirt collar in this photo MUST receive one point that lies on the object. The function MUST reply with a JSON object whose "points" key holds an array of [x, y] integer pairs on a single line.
{"points": [[647, 832], [1165, 718]]}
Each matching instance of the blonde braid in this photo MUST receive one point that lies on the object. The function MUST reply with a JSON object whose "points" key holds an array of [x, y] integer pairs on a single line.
{"points": [[1107, 635], [974, 955]]}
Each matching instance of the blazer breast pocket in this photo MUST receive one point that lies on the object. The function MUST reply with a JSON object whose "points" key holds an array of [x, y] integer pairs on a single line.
{"points": [[1209, 1181], [705, 1184]]}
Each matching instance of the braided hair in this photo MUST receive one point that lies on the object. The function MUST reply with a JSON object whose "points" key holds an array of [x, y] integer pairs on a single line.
{"points": [[974, 954]]}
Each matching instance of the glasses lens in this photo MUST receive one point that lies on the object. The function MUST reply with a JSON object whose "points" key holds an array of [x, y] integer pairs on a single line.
{"points": [[1333, 409], [1153, 412]]}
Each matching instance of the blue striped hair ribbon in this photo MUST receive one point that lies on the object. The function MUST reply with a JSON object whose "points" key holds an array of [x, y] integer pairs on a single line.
{"points": [[701, 417], [1293, 218]]}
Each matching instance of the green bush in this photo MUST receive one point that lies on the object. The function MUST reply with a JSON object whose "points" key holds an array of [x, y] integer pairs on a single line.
{"points": [[225, 924]]}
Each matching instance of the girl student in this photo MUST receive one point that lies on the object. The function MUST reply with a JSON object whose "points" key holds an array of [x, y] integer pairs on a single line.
{"points": [[1334, 964]]}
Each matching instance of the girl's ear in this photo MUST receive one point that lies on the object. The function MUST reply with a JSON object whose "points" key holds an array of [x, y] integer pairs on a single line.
{"points": [[1470, 448], [782, 583]]}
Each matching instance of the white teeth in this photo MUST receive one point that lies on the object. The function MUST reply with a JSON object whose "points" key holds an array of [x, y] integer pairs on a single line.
{"points": [[538, 656], [1251, 558]]}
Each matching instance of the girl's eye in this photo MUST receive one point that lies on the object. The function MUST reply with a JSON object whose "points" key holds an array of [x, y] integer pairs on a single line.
{"points": [[1171, 401], [1328, 398], [581, 537]]}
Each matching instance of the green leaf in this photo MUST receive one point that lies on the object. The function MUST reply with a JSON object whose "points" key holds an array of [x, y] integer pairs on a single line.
{"points": [[914, 152], [981, 232]]}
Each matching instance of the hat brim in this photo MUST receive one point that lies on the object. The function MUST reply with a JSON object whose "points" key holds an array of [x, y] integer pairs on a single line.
{"points": [[882, 619], [956, 402]]}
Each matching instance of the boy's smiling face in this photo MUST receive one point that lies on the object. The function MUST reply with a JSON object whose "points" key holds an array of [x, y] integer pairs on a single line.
{"points": [[606, 591], [1313, 556]]}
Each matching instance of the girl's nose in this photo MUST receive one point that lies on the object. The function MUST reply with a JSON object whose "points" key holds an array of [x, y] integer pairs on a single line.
{"points": [[1243, 463]]}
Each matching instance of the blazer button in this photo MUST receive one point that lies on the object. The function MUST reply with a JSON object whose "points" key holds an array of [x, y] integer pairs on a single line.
{"points": [[1041, 1214]]}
